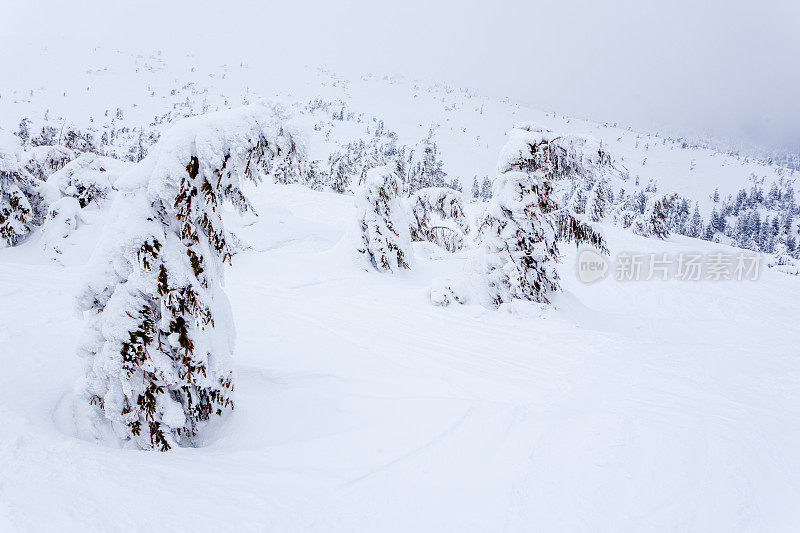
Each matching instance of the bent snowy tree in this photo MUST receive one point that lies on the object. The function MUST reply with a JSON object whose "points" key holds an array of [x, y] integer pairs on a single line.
{"points": [[437, 215], [160, 335], [524, 224], [385, 240]]}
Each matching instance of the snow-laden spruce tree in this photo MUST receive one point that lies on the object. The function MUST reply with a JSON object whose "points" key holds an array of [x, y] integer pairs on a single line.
{"points": [[578, 199], [42, 161], [383, 227], [425, 166], [597, 201], [518, 239], [569, 156], [340, 172], [523, 223], [89, 178], [648, 220], [22, 206], [160, 335], [437, 215], [286, 157], [654, 217]]}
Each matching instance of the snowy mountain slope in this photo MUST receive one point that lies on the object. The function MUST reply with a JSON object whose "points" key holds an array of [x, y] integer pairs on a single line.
{"points": [[642, 405], [128, 91], [123, 102], [626, 406]]}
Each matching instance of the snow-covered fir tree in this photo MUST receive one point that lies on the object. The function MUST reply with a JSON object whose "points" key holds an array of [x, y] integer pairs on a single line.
{"points": [[518, 239], [577, 200], [653, 221], [523, 223], [437, 215], [285, 157], [89, 178], [42, 161], [597, 201], [159, 333], [22, 206], [486, 188], [385, 241], [425, 166], [340, 172], [476, 189]]}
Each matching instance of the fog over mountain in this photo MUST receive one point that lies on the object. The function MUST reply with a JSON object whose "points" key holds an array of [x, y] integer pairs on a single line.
{"points": [[725, 69]]}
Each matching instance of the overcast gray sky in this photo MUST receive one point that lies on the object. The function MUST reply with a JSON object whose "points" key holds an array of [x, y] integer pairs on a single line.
{"points": [[728, 68]]}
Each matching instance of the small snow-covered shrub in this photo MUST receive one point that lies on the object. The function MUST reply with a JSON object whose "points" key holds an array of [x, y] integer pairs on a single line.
{"points": [[782, 261], [42, 161], [651, 222], [89, 178], [437, 215], [444, 292], [21, 204], [284, 158], [385, 240], [159, 334], [63, 217]]}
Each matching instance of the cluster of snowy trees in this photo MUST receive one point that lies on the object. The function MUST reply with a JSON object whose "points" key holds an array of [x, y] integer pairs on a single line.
{"points": [[37, 176], [482, 190], [519, 233], [417, 167], [754, 219], [159, 335]]}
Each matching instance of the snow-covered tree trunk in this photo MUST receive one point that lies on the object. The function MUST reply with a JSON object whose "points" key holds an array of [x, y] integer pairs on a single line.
{"points": [[160, 335], [385, 241]]}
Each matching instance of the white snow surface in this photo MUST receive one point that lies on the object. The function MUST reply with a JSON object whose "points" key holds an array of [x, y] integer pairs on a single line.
{"points": [[626, 406]]}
